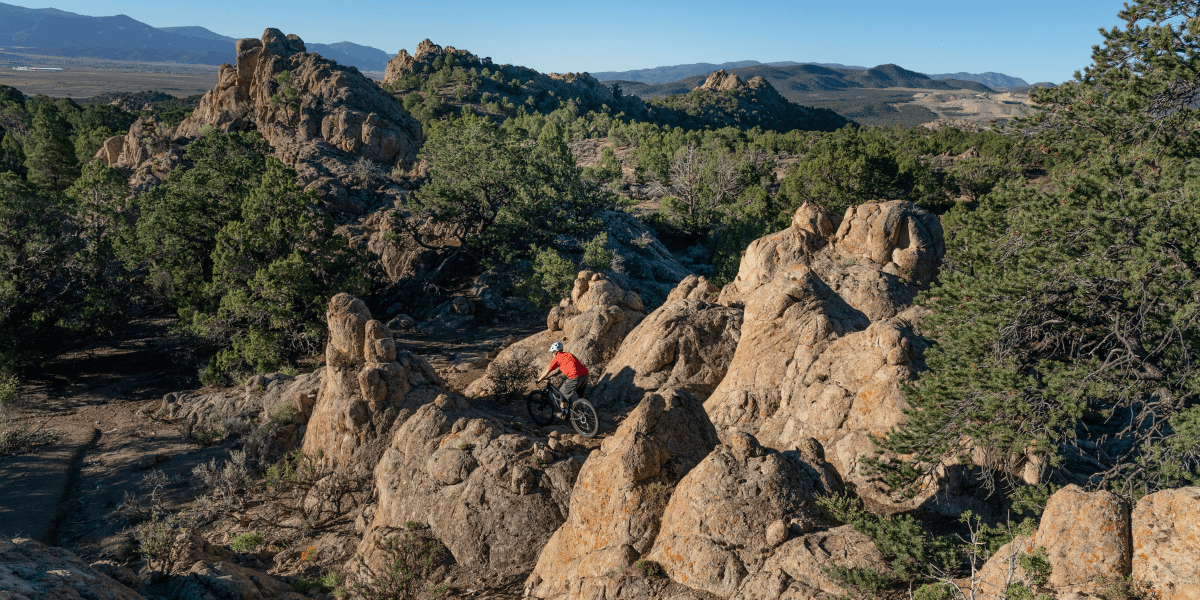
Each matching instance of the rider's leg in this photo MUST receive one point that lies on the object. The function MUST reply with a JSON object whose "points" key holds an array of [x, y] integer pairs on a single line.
{"points": [[568, 391]]}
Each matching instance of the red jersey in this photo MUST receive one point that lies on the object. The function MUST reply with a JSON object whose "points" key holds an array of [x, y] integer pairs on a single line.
{"points": [[571, 367]]}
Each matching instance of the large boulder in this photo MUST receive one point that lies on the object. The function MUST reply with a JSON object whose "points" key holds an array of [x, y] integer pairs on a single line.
{"points": [[591, 324], [492, 495], [619, 497], [368, 388], [1086, 536], [1166, 543], [687, 343], [799, 569], [727, 515], [30, 570], [829, 335], [321, 117]]}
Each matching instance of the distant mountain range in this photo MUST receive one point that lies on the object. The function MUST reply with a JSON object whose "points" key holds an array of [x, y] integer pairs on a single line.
{"points": [[794, 81], [996, 81], [55, 32], [672, 73]]}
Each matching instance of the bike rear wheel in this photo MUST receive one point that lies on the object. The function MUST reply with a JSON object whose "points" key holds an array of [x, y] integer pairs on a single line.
{"points": [[540, 408], [584, 418]]}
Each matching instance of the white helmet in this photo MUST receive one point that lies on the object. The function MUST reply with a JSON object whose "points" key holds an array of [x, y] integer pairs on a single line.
{"points": [[556, 347]]}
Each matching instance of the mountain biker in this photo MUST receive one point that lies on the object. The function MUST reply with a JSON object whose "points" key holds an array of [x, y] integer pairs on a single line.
{"points": [[571, 367]]}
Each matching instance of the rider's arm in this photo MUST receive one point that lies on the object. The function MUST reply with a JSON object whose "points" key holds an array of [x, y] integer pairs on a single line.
{"points": [[548, 371]]}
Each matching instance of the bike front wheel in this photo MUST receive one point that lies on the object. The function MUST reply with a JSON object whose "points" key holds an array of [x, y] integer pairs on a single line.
{"points": [[584, 418], [540, 408]]}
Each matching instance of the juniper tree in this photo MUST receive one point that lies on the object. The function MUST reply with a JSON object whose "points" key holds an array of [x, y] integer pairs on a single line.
{"points": [[1068, 313]]}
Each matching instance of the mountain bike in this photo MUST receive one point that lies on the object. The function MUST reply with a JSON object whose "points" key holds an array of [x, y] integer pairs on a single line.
{"points": [[546, 404]]}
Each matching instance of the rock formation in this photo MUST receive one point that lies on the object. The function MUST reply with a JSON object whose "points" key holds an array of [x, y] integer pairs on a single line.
{"points": [[1166, 543], [321, 118], [729, 513], [489, 493], [1086, 536], [721, 81], [585, 89], [829, 334], [369, 387], [620, 495], [686, 343], [32, 571], [591, 324]]}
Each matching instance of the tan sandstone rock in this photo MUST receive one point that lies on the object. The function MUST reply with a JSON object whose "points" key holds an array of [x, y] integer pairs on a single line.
{"points": [[829, 334], [1166, 542], [797, 569], [338, 116], [728, 514], [368, 388], [686, 343], [591, 324], [471, 480], [30, 570], [1086, 536], [620, 495]]}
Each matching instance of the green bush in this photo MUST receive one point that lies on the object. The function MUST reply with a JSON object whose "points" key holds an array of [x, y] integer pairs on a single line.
{"points": [[935, 591], [552, 278], [596, 255], [246, 542], [1067, 307], [910, 550], [409, 560]]}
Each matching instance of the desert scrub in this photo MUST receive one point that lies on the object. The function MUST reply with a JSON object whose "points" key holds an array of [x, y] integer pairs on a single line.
{"points": [[511, 375], [410, 558], [246, 542], [648, 568], [282, 414], [156, 542]]}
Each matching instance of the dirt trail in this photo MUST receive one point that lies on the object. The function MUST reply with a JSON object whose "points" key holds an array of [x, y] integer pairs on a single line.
{"points": [[88, 401]]}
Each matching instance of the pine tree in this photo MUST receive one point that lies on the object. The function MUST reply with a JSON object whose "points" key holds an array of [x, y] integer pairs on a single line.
{"points": [[1066, 315], [49, 152]]}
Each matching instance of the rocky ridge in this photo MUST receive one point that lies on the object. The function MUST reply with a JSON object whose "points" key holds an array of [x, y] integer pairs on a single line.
{"points": [[322, 118]]}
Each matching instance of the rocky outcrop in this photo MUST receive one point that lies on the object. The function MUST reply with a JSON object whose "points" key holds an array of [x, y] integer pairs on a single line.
{"points": [[727, 516], [369, 386], [146, 154], [1166, 543], [686, 343], [322, 118], [829, 335], [799, 569], [620, 495], [721, 80], [32, 571], [1086, 536], [492, 495], [405, 64], [591, 324]]}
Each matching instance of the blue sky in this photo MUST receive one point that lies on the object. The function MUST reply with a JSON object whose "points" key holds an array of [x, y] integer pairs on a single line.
{"points": [[1045, 40]]}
